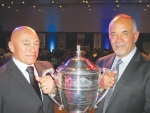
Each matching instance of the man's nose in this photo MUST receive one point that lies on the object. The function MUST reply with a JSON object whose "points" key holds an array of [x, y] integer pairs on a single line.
{"points": [[119, 36], [32, 48]]}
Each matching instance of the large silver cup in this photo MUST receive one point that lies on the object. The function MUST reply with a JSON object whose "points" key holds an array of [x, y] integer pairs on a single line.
{"points": [[78, 85]]}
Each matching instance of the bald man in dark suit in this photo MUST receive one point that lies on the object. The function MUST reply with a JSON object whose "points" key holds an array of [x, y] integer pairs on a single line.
{"points": [[16, 93]]}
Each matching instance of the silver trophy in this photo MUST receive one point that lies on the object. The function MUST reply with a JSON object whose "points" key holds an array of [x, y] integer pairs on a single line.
{"points": [[78, 84]]}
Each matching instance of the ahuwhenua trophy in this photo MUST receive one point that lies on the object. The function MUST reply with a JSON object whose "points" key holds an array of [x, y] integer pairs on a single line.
{"points": [[78, 84]]}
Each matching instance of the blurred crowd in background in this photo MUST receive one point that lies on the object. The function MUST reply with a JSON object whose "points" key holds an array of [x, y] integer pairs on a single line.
{"points": [[59, 57]]}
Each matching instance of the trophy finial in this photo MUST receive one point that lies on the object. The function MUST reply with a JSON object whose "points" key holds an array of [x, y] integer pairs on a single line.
{"points": [[78, 51], [78, 48]]}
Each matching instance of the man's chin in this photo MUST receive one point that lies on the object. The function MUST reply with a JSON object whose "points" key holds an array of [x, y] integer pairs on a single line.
{"points": [[120, 53], [30, 62]]}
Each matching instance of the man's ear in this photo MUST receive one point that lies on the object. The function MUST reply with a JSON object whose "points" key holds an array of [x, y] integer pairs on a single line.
{"points": [[136, 35], [11, 47]]}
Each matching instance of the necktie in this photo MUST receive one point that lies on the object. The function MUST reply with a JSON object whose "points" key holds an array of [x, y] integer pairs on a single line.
{"points": [[108, 96], [33, 82]]}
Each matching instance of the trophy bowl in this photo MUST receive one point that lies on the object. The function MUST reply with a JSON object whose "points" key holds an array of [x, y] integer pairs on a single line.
{"points": [[78, 84]]}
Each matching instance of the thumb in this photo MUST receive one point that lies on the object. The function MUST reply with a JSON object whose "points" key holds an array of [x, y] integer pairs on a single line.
{"points": [[115, 72], [37, 78]]}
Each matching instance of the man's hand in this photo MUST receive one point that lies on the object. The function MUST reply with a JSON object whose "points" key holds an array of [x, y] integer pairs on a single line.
{"points": [[108, 80], [46, 84]]}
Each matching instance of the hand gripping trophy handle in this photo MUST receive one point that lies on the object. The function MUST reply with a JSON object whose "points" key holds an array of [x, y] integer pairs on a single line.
{"points": [[55, 77], [102, 71]]}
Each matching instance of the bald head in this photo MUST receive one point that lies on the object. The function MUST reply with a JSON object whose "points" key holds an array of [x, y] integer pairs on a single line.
{"points": [[24, 44], [123, 34], [21, 30], [124, 17]]}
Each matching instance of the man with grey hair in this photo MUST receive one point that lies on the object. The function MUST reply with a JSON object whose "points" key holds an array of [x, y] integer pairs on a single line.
{"points": [[131, 93]]}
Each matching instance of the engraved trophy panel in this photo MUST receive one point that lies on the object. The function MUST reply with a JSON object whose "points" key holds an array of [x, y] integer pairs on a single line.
{"points": [[79, 91]]}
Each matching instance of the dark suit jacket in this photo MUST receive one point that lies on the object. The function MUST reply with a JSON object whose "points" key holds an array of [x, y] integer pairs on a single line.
{"points": [[132, 91], [17, 95]]}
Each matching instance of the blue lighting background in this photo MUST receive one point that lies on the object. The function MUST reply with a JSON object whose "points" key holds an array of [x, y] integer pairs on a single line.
{"points": [[52, 41], [53, 25], [106, 43]]}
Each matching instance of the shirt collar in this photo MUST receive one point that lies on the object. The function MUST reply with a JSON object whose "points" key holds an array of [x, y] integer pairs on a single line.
{"points": [[20, 65], [127, 58]]}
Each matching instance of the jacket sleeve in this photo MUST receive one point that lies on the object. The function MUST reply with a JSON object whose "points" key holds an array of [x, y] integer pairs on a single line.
{"points": [[147, 96]]}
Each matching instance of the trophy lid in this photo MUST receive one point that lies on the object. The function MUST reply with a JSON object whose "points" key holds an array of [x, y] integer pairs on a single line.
{"points": [[78, 64]]}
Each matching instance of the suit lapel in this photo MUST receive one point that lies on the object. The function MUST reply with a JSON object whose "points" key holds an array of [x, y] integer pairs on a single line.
{"points": [[39, 69], [109, 62], [126, 74], [22, 80]]}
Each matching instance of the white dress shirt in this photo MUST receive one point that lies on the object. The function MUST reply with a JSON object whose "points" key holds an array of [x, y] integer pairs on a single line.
{"points": [[23, 68], [125, 61]]}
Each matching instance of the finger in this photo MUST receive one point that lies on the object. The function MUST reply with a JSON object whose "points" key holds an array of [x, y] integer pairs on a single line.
{"points": [[114, 72], [43, 85], [46, 82], [108, 73], [44, 79], [112, 82], [112, 78], [37, 78], [44, 88], [48, 89], [104, 84], [111, 85]]}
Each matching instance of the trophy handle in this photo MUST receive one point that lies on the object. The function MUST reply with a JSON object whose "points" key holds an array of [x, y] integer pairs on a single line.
{"points": [[100, 98], [61, 106], [102, 72], [55, 77]]}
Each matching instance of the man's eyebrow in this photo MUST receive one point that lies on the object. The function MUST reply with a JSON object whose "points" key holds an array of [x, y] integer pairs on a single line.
{"points": [[124, 31], [37, 41], [112, 32], [26, 40]]}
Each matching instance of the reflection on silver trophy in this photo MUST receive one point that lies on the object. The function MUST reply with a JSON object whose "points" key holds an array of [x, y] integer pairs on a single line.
{"points": [[78, 84]]}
